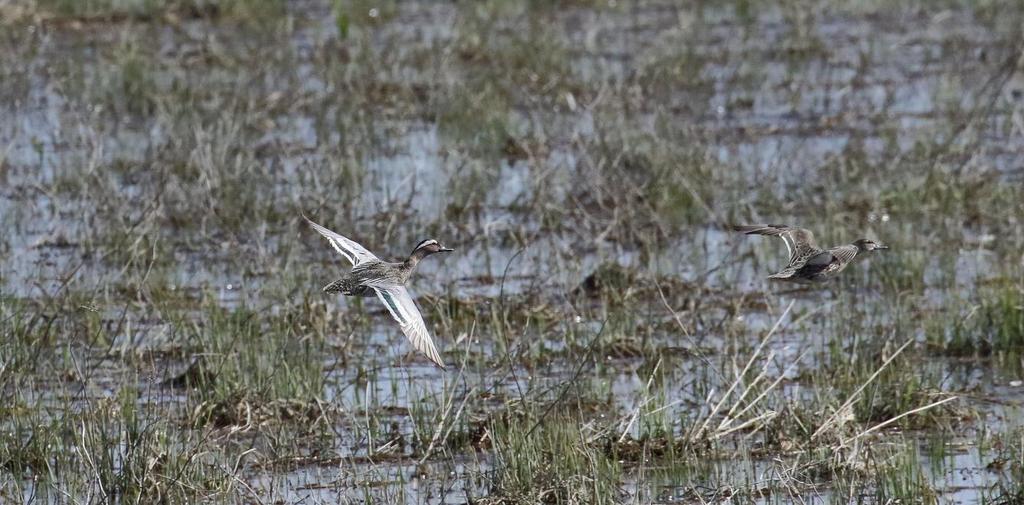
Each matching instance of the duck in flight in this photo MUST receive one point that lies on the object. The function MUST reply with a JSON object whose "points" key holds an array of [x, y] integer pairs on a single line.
{"points": [[809, 263], [371, 276]]}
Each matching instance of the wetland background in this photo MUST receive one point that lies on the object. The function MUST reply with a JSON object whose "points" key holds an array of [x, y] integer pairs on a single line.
{"points": [[164, 336]]}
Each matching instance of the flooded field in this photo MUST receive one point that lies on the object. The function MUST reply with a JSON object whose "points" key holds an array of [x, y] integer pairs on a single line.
{"points": [[608, 339]]}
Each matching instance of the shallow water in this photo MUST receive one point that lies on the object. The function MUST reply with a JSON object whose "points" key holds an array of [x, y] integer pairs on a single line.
{"points": [[775, 101]]}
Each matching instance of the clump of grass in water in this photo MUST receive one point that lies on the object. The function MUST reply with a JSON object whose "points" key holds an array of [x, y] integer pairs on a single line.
{"points": [[109, 450], [900, 478], [511, 56], [1008, 463], [554, 464], [901, 272], [349, 14], [1001, 321], [994, 328], [477, 119], [252, 364], [21, 334], [93, 8], [148, 9], [647, 183], [889, 473], [883, 383]]}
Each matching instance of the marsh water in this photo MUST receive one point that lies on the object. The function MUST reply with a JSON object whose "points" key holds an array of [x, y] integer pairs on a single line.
{"points": [[584, 159]]}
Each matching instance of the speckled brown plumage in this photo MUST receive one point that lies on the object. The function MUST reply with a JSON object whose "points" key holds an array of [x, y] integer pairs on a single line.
{"points": [[370, 276], [809, 263]]}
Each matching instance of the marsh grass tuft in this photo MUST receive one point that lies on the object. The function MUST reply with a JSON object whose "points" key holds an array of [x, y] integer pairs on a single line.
{"points": [[252, 368], [992, 328], [151, 10], [555, 464], [111, 449]]}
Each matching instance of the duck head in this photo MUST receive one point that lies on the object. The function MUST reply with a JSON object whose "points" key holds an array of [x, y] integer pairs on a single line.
{"points": [[426, 248], [868, 245]]}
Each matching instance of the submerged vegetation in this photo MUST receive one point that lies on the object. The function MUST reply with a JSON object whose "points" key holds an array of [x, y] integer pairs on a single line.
{"points": [[163, 337]]}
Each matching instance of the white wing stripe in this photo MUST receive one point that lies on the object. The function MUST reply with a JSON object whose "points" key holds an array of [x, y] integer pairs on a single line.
{"points": [[337, 247], [401, 306], [790, 246], [348, 248]]}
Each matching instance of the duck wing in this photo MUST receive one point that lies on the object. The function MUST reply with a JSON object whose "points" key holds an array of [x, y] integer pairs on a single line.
{"points": [[844, 253], [834, 259], [799, 241], [402, 307], [348, 248]]}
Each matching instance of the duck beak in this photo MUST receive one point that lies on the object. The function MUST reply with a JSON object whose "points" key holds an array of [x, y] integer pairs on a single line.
{"points": [[881, 246], [445, 249]]}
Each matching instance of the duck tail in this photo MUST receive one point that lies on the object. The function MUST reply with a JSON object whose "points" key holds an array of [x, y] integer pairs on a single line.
{"points": [[337, 286]]}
